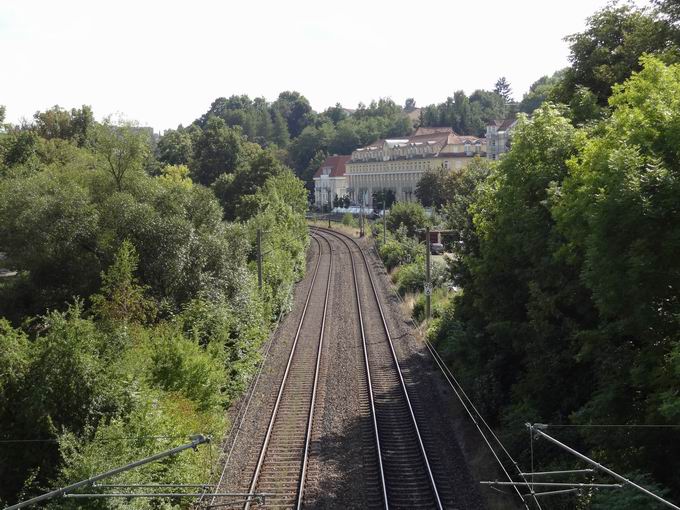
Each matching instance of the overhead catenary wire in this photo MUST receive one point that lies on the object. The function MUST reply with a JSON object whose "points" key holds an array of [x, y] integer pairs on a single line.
{"points": [[61, 492], [608, 425], [536, 428]]}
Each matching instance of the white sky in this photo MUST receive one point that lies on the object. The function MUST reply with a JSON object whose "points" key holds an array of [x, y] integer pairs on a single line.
{"points": [[163, 62]]}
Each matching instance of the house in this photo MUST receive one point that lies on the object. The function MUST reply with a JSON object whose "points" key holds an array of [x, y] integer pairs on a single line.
{"points": [[330, 181], [498, 134], [398, 164]]}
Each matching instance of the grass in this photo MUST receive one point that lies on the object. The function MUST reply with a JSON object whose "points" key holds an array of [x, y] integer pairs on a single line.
{"points": [[350, 231]]}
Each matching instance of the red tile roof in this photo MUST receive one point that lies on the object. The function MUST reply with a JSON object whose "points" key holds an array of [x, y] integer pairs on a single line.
{"points": [[337, 165]]}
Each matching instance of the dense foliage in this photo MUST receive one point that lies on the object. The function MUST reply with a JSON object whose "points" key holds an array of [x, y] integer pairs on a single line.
{"points": [[569, 310], [135, 318]]}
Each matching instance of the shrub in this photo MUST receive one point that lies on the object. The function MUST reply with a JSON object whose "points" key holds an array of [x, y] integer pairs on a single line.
{"points": [[349, 220], [439, 301], [410, 214]]}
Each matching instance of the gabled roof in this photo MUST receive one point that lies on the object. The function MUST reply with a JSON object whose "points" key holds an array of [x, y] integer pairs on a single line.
{"points": [[336, 164], [502, 124]]}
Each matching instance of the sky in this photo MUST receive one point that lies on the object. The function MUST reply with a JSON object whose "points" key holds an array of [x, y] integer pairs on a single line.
{"points": [[162, 63]]}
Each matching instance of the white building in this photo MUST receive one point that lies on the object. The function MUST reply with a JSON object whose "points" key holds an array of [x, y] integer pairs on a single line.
{"points": [[330, 181], [498, 134], [399, 164]]}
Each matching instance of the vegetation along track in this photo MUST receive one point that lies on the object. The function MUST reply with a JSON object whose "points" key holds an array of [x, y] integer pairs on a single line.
{"points": [[406, 471], [282, 462]]}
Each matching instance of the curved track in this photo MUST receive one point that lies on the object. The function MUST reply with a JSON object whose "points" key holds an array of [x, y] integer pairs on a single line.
{"points": [[405, 470], [282, 463]]}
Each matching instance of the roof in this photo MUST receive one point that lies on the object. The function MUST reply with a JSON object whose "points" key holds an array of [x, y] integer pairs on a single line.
{"points": [[455, 139], [337, 165], [432, 130], [502, 124]]}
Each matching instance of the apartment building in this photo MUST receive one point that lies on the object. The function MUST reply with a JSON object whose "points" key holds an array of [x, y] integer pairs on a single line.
{"points": [[398, 164]]}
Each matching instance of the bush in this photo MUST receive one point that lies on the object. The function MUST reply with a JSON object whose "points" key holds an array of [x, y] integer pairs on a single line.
{"points": [[349, 220], [411, 277], [410, 214], [438, 302]]}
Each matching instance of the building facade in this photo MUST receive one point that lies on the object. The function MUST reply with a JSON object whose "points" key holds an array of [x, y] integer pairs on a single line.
{"points": [[330, 181], [498, 133], [399, 164]]}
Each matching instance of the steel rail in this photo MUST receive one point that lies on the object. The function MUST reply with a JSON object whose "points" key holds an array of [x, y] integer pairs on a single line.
{"points": [[308, 433], [282, 386], [368, 377], [395, 360]]}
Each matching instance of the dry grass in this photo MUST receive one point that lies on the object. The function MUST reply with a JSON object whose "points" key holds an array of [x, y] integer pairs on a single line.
{"points": [[350, 231]]}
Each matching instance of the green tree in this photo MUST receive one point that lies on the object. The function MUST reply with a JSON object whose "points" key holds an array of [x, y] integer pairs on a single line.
{"points": [[280, 134], [410, 214], [59, 123], [216, 151], [540, 91], [295, 109], [383, 198], [346, 138], [430, 188], [608, 51], [122, 298], [236, 191], [175, 147], [502, 88], [623, 245], [123, 149]]}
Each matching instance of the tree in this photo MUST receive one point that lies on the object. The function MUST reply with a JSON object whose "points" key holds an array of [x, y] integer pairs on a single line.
{"points": [[175, 147], [410, 214], [669, 8], [540, 91], [122, 298], [3, 111], [236, 191], [295, 109], [18, 146], [280, 134], [430, 188], [409, 105], [62, 124], [608, 51], [383, 199], [346, 138], [122, 147], [307, 145], [502, 88], [335, 113], [624, 245], [216, 151]]}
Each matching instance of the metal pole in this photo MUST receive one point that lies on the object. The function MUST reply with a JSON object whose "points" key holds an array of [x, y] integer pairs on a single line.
{"points": [[384, 222], [196, 440], [599, 466], [259, 258], [428, 285], [330, 209], [361, 216]]}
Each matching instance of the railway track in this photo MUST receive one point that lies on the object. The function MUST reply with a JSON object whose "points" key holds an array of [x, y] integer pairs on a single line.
{"points": [[282, 463], [399, 466], [406, 471]]}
